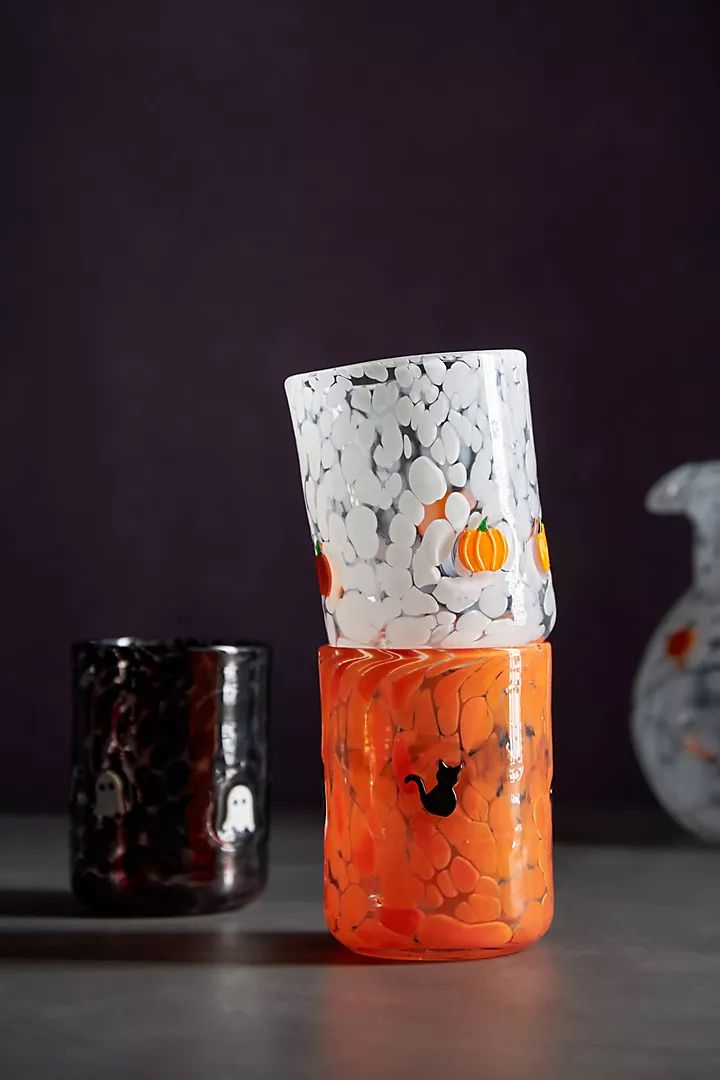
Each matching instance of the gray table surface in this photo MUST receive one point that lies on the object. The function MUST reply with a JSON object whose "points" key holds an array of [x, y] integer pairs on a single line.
{"points": [[626, 984]]}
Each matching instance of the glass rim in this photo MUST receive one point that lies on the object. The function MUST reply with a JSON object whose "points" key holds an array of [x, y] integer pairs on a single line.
{"points": [[170, 644], [446, 356]]}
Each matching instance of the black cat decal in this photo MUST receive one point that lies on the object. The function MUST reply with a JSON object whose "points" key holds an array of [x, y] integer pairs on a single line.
{"points": [[442, 800]]}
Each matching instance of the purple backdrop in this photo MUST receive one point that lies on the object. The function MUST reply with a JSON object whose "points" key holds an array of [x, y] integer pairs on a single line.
{"points": [[205, 198]]}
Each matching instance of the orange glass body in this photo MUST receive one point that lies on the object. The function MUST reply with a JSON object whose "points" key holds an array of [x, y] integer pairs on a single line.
{"points": [[438, 766]]}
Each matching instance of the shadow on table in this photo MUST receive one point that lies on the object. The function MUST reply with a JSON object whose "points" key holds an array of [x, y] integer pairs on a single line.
{"points": [[115, 940], [37, 903]]}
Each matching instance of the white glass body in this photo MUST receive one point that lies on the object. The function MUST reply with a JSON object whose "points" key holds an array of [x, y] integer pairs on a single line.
{"points": [[402, 462]]}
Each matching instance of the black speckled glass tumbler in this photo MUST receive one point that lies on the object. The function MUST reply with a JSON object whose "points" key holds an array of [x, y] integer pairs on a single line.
{"points": [[168, 803]]}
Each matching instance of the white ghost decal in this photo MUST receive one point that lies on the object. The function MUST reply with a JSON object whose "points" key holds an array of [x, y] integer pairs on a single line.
{"points": [[109, 798], [239, 813]]}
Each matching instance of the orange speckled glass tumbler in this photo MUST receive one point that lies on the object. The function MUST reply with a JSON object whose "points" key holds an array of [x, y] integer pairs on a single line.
{"points": [[438, 766]]}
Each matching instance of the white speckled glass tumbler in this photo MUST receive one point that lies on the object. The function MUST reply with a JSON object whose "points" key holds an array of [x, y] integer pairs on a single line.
{"points": [[401, 460], [420, 483]]}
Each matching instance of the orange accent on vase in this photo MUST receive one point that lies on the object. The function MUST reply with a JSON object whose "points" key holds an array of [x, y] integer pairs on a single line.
{"points": [[680, 643], [324, 571], [541, 548], [405, 883], [482, 549], [692, 745]]}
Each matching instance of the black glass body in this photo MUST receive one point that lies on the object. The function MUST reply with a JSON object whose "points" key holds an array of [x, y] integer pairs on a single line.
{"points": [[169, 791]]}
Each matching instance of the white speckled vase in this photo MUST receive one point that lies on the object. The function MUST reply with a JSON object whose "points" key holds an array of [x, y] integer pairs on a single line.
{"points": [[676, 696], [420, 482]]}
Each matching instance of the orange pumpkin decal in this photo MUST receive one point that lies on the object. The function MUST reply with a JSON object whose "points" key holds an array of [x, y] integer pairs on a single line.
{"points": [[541, 547], [324, 571], [482, 548]]}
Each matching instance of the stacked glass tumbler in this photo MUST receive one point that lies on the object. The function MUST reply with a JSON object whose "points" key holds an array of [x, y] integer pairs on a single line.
{"points": [[420, 482]]}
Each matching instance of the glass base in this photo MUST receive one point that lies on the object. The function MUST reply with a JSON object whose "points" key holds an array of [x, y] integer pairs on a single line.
{"points": [[435, 955], [140, 899]]}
